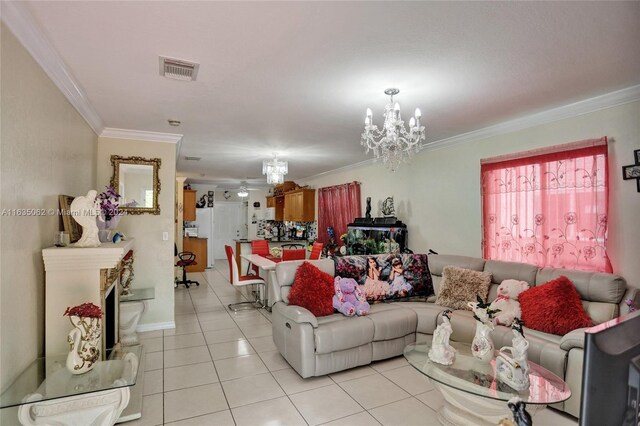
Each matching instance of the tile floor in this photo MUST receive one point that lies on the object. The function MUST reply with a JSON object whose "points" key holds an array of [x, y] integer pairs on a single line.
{"points": [[222, 368]]}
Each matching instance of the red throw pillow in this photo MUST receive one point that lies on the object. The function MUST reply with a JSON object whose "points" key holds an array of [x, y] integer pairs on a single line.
{"points": [[312, 289], [553, 307]]}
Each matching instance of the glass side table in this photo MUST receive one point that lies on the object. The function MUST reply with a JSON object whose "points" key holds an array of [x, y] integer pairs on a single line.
{"points": [[132, 306], [47, 393]]}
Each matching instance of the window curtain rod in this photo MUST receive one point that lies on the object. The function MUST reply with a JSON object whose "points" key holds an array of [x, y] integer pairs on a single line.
{"points": [[587, 143], [327, 188]]}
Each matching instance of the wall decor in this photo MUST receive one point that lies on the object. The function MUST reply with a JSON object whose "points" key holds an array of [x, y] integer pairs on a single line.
{"points": [[136, 180], [69, 225], [633, 171], [209, 198]]}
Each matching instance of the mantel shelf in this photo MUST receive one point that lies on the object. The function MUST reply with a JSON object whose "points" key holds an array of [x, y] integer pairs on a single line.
{"points": [[75, 258]]}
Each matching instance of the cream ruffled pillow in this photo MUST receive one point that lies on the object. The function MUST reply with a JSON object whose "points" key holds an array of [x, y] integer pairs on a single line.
{"points": [[460, 286]]}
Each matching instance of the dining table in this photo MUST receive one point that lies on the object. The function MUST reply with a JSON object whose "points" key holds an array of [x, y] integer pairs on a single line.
{"points": [[266, 264]]}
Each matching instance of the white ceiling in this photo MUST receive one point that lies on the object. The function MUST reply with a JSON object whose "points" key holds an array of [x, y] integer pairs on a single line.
{"points": [[296, 78]]}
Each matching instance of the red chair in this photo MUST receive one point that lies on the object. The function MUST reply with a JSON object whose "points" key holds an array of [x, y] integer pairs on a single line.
{"points": [[316, 251], [259, 247], [241, 281], [298, 254]]}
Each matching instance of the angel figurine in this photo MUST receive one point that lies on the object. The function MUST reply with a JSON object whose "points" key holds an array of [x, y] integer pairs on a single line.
{"points": [[512, 366], [441, 351], [85, 210]]}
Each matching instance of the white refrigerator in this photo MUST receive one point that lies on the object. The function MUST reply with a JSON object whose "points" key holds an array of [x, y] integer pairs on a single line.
{"points": [[204, 222]]}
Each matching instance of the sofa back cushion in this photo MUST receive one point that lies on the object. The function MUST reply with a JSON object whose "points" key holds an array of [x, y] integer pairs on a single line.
{"points": [[439, 261], [600, 292], [285, 273], [398, 275]]}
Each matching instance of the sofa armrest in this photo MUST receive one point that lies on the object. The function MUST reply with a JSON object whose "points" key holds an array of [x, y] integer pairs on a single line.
{"points": [[297, 314], [573, 339]]}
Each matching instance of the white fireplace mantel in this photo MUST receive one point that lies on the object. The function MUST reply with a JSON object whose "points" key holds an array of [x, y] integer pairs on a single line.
{"points": [[73, 258], [74, 276]]}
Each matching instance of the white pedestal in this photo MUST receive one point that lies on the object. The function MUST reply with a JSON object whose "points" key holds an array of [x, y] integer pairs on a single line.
{"points": [[465, 409], [130, 314]]}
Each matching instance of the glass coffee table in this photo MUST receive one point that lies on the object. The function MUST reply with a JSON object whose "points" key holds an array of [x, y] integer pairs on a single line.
{"points": [[473, 394]]}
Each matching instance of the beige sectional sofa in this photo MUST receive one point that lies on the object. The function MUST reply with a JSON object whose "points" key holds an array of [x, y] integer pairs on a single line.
{"points": [[317, 346]]}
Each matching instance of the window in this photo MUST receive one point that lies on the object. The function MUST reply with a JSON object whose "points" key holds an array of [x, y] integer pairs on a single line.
{"points": [[548, 207]]}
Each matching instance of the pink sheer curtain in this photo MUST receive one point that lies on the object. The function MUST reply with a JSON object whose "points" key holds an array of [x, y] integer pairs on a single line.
{"points": [[548, 207], [337, 207]]}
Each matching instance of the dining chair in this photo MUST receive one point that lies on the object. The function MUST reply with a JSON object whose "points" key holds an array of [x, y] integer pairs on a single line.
{"points": [[292, 246], [259, 247], [297, 254], [238, 280], [316, 251]]}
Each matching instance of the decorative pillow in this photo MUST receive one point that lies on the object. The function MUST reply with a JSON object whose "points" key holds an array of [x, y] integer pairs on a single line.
{"points": [[387, 276], [460, 286], [312, 289], [553, 307]]}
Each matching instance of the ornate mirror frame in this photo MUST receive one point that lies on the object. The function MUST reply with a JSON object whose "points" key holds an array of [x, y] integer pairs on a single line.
{"points": [[116, 160]]}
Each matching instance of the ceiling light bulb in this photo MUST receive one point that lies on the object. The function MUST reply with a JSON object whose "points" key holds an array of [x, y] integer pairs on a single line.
{"points": [[418, 114], [396, 107], [369, 112], [412, 122]]}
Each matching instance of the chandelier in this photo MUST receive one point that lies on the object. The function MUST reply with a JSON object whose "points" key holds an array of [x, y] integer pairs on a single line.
{"points": [[275, 170], [393, 144]]}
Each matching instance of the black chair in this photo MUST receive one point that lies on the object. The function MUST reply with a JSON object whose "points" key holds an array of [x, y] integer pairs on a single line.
{"points": [[187, 258]]}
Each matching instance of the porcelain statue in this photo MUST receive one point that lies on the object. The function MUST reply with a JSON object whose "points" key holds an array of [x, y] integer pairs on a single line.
{"points": [[482, 346], [85, 210], [441, 351], [84, 341], [512, 366]]}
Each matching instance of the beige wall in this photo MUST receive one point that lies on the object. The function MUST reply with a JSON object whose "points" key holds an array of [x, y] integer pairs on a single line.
{"points": [[438, 195], [153, 263], [46, 149]]}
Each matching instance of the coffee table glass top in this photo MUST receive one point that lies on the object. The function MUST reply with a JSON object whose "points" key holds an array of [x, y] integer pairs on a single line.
{"points": [[48, 378], [470, 375]]}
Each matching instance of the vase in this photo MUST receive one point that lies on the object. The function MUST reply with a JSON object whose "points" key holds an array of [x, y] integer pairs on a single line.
{"points": [[106, 228], [84, 342], [482, 346]]}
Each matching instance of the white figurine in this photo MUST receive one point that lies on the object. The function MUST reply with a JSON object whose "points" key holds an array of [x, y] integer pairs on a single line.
{"points": [[512, 366], [85, 210], [441, 351]]}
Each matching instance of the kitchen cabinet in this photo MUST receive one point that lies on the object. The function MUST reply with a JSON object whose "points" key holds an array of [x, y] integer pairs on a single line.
{"points": [[189, 203], [300, 205], [278, 204], [197, 246]]}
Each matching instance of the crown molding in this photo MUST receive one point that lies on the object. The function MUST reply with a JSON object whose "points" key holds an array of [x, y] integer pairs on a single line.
{"points": [[141, 135], [597, 103], [608, 100], [16, 15]]}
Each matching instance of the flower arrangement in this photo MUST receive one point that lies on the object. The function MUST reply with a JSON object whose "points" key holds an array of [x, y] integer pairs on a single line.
{"points": [[86, 310], [109, 203]]}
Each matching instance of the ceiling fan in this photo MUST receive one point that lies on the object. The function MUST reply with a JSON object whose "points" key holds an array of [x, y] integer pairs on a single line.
{"points": [[244, 188]]}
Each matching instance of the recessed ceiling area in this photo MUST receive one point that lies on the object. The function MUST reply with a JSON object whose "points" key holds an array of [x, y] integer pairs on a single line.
{"points": [[296, 78]]}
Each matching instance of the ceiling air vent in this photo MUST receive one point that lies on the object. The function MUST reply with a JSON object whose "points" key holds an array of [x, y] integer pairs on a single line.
{"points": [[178, 69], [192, 158]]}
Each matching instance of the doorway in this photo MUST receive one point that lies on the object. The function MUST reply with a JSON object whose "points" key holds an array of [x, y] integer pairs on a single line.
{"points": [[227, 226]]}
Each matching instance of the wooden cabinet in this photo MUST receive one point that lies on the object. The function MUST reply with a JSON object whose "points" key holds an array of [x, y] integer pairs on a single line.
{"points": [[300, 205], [189, 203], [278, 204], [197, 246]]}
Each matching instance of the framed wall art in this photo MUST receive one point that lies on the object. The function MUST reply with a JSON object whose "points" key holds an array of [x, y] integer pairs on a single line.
{"points": [[69, 225]]}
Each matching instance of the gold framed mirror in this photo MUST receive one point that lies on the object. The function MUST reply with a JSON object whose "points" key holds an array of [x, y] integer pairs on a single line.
{"points": [[136, 180]]}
